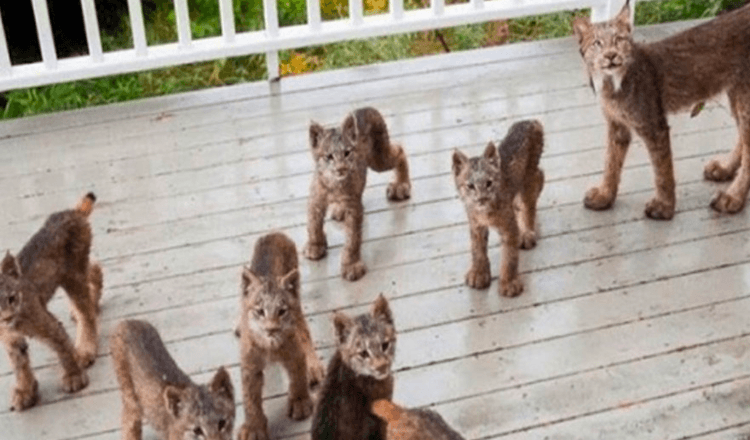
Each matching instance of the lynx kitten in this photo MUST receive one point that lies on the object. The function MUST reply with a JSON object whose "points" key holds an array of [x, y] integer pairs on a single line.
{"points": [[413, 424]]}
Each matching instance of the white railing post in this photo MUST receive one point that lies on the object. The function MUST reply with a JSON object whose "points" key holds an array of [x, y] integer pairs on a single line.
{"points": [[92, 30], [44, 31], [313, 14], [478, 4], [355, 12], [397, 9], [438, 7], [4, 55], [271, 17], [609, 8], [137, 27], [184, 33], [227, 20]]}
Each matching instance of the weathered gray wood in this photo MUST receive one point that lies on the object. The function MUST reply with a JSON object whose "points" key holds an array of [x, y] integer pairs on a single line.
{"points": [[628, 328]]}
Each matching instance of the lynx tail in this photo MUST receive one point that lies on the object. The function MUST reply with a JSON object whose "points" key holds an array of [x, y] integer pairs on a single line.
{"points": [[86, 205]]}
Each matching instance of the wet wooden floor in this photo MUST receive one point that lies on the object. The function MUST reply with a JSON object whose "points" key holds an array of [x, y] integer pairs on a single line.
{"points": [[628, 328]]}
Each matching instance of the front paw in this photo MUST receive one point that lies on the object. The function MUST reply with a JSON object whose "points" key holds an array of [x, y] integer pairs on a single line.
{"points": [[353, 271], [511, 288], [598, 200], [86, 357], [479, 276], [724, 203], [714, 171], [316, 374], [528, 239], [338, 212], [72, 382], [249, 432], [315, 251], [659, 210], [24, 398], [300, 408], [398, 191]]}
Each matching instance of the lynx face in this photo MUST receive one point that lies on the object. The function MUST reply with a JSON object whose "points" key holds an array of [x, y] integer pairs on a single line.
{"points": [[478, 178], [267, 306], [335, 155], [201, 413], [606, 48], [368, 342], [11, 291]]}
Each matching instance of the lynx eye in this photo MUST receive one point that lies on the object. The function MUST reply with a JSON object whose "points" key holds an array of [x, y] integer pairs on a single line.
{"points": [[347, 153], [471, 186], [260, 312], [282, 312], [386, 345], [222, 424], [329, 158], [198, 431], [12, 299], [364, 354], [489, 183], [598, 43]]}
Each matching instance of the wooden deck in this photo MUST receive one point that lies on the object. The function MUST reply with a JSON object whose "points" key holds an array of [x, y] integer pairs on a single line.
{"points": [[628, 328]]}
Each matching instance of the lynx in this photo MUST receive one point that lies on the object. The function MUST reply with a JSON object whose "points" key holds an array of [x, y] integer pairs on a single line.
{"points": [[493, 187], [639, 84], [273, 329], [413, 424], [358, 374], [342, 156], [57, 255], [155, 389]]}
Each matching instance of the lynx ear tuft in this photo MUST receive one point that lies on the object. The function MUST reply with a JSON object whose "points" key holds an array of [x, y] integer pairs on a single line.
{"points": [[221, 385], [349, 128], [290, 282], [490, 152], [582, 28], [248, 279], [459, 161], [623, 17], [381, 310], [342, 325], [10, 266], [173, 400], [316, 132]]}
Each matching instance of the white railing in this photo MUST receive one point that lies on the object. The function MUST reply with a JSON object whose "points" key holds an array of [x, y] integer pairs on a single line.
{"points": [[269, 41]]}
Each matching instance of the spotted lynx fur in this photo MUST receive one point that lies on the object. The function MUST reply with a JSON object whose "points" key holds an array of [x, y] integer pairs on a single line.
{"points": [[493, 187], [413, 424], [56, 256], [639, 84], [342, 156]]}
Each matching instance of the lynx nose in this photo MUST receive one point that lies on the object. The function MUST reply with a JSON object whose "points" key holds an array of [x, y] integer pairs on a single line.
{"points": [[613, 58]]}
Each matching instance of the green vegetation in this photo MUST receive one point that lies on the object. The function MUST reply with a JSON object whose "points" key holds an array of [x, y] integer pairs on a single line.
{"points": [[204, 15]]}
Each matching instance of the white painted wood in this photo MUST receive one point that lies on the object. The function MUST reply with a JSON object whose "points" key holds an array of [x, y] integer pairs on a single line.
{"points": [[92, 30], [313, 14], [228, 31], [139, 32], [438, 7], [396, 9], [44, 32], [355, 12], [184, 32], [4, 54]]}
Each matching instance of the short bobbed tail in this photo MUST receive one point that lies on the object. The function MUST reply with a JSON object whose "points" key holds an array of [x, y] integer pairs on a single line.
{"points": [[86, 205]]}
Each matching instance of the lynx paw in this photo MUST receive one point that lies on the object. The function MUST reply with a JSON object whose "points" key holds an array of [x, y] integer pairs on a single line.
{"points": [[316, 374], [598, 200], [315, 251], [353, 271], [248, 432], [72, 382], [300, 408], [398, 191], [338, 212], [528, 239], [86, 356], [24, 398], [716, 172], [511, 288], [659, 210], [479, 277], [723, 202]]}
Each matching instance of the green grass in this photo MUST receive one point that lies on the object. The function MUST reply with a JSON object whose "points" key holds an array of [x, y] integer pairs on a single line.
{"points": [[161, 28]]}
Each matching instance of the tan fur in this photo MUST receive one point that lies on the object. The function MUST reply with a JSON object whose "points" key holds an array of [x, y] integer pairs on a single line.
{"points": [[493, 187], [342, 156], [639, 84], [273, 329], [154, 389], [412, 424], [359, 373], [56, 256]]}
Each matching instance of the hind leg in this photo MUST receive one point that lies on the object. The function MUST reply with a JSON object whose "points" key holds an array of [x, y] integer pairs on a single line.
{"points": [[85, 308], [132, 414], [527, 212], [96, 283], [26, 392], [389, 158], [733, 199], [722, 169]]}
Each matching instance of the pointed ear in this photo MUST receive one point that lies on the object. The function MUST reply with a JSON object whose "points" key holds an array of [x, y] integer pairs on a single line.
{"points": [[490, 152], [248, 278], [221, 385], [459, 161], [381, 310], [387, 410], [349, 128], [623, 17], [10, 266], [316, 132], [582, 28], [342, 324], [172, 400], [290, 282]]}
